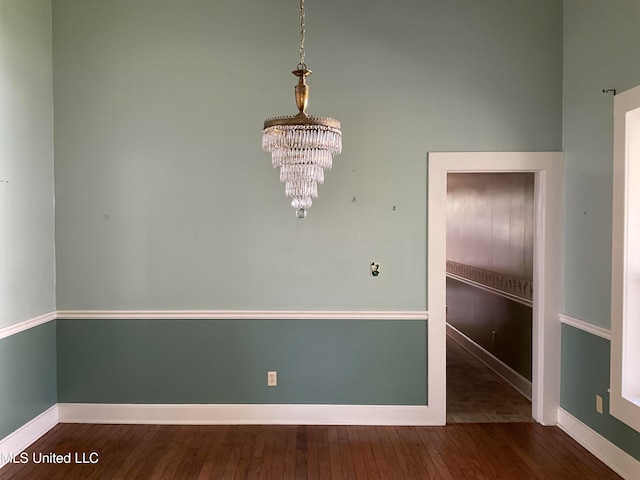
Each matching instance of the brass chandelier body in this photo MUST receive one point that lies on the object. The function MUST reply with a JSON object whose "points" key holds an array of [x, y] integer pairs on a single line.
{"points": [[302, 146]]}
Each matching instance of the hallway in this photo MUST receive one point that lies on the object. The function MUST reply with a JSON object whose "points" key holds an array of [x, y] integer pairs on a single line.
{"points": [[475, 394]]}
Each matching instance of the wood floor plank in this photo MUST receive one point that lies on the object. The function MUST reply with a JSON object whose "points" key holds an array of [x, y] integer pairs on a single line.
{"points": [[594, 466], [454, 452], [301, 453], [155, 450], [440, 455], [321, 440], [544, 453], [465, 461], [397, 463], [372, 470], [501, 458], [348, 471], [567, 453], [423, 457], [238, 469], [256, 458], [268, 455], [138, 456], [289, 471], [223, 456], [473, 457], [357, 456], [377, 449], [185, 467], [313, 460], [335, 459], [572, 452], [216, 437], [524, 450], [567, 464], [167, 466]]}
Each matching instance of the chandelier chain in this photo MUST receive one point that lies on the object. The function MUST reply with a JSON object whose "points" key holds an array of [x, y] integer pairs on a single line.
{"points": [[302, 65]]}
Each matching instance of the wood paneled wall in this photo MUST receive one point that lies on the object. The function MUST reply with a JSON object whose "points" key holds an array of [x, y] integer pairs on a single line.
{"points": [[490, 228], [490, 221]]}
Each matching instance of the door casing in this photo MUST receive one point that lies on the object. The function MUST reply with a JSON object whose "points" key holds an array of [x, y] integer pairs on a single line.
{"points": [[547, 274]]}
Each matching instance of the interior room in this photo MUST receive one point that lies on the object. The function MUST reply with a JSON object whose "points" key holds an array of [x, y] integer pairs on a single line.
{"points": [[153, 271]]}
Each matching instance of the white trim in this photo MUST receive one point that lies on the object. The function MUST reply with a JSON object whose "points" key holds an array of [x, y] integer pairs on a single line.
{"points": [[614, 457], [586, 326], [625, 261], [19, 440], [240, 315], [507, 373], [26, 324], [487, 288], [181, 414], [547, 274], [419, 315]]}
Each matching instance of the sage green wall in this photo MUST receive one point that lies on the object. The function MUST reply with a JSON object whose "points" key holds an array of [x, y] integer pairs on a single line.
{"points": [[585, 374], [226, 361], [26, 161], [165, 199], [27, 376], [27, 359], [601, 41]]}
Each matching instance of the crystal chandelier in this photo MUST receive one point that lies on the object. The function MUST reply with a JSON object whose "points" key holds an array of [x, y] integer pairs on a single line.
{"points": [[302, 146]]}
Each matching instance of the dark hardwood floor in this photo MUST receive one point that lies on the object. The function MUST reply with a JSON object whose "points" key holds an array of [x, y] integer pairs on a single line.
{"points": [[459, 451]]}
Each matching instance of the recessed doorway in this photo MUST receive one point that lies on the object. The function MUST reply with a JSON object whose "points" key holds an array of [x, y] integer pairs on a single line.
{"points": [[490, 232], [547, 169]]}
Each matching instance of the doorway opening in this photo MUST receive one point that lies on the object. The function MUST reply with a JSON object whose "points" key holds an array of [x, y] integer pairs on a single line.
{"points": [[547, 169], [489, 287]]}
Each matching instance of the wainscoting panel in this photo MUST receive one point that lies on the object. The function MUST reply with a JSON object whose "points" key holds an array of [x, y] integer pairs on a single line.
{"points": [[499, 325], [27, 375], [584, 376], [334, 362]]}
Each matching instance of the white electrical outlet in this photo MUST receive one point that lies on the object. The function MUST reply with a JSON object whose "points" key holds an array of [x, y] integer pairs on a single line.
{"points": [[272, 379], [599, 407]]}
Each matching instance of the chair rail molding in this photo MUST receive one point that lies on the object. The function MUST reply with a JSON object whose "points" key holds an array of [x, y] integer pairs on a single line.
{"points": [[586, 326], [388, 315], [241, 315], [27, 324]]}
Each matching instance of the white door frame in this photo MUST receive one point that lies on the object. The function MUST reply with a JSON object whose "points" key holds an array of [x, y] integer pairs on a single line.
{"points": [[547, 275]]}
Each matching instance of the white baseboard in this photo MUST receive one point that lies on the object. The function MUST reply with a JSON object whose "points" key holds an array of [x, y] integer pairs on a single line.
{"points": [[615, 458], [512, 377], [19, 440], [246, 414]]}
